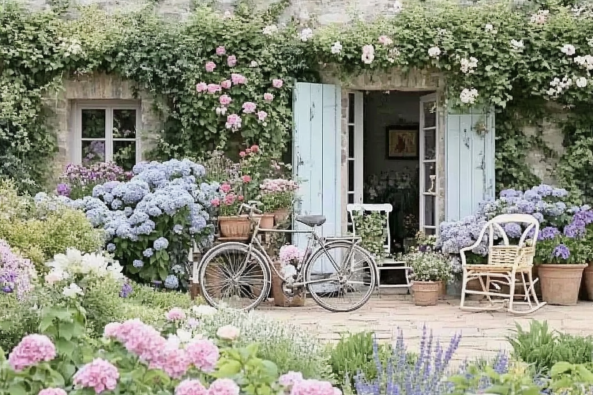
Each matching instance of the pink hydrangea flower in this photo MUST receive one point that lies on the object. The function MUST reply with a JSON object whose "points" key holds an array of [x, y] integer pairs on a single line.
{"points": [[203, 354], [312, 387], [201, 87], [233, 122], [268, 97], [175, 314], [172, 361], [214, 88], [31, 350], [226, 84], [99, 375], [220, 51], [277, 83], [112, 330], [238, 79], [146, 343], [225, 188], [290, 254], [261, 116], [129, 327], [225, 100], [52, 391], [190, 387], [210, 66], [287, 380], [215, 202], [249, 107], [231, 61], [224, 387]]}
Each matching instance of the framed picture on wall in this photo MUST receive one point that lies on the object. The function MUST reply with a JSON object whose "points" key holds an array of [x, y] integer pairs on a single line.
{"points": [[402, 142]]}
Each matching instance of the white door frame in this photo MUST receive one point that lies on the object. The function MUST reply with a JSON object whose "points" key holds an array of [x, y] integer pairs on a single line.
{"points": [[422, 161], [355, 158]]}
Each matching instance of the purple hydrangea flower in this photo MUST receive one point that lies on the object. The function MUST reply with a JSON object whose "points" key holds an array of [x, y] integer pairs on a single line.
{"points": [[548, 233], [513, 230], [561, 251]]}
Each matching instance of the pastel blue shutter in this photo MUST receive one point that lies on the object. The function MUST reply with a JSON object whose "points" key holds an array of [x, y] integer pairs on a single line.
{"points": [[469, 156], [316, 155]]}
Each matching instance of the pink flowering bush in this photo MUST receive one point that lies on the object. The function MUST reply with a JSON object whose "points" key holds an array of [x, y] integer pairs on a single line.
{"points": [[278, 193], [30, 351]]}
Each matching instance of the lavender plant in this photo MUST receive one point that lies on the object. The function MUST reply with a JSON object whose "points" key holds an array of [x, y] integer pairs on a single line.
{"points": [[398, 377]]}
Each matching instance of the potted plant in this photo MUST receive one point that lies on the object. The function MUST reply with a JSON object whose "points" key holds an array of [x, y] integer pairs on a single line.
{"points": [[277, 196], [561, 259], [371, 227], [288, 265], [429, 270], [230, 223]]}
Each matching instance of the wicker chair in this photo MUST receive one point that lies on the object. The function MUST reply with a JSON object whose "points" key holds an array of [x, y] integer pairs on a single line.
{"points": [[508, 265]]}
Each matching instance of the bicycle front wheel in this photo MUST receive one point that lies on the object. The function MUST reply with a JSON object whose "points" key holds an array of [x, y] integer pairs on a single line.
{"points": [[350, 286], [234, 276]]}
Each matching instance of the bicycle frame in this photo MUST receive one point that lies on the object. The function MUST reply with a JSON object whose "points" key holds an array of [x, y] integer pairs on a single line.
{"points": [[313, 240]]}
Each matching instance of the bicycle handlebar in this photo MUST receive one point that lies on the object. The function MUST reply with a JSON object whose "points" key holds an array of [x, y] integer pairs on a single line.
{"points": [[250, 207]]}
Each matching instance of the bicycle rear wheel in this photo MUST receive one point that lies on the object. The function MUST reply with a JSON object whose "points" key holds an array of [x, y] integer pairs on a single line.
{"points": [[344, 290], [233, 276]]}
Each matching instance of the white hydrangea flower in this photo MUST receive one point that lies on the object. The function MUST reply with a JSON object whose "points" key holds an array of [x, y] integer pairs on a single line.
{"points": [[336, 48], [568, 49], [270, 30], [581, 82], [468, 65], [72, 291], [468, 96], [517, 44], [306, 35], [434, 52]]}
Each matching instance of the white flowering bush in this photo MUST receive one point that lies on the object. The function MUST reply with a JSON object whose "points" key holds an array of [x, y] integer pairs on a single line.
{"points": [[154, 219], [428, 266]]}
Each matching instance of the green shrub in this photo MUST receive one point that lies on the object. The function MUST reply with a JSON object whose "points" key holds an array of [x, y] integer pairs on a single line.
{"points": [[148, 296], [543, 348], [17, 318], [290, 347]]}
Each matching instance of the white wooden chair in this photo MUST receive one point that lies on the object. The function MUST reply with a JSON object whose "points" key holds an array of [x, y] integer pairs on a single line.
{"points": [[388, 263], [508, 265]]}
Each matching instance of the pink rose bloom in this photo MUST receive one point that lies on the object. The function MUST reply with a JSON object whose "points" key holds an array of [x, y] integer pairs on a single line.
{"points": [[233, 122], [224, 387], [190, 387], [52, 391], [175, 314], [215, 202], [213, 88], [220, 51], [248, 150], [31, 350], [210, 66], [201, 87], [254, 148], [246, 178], [99, 375], [225, 100], [231, 61], [242, 154], [289, 379], [240, 198], [226, 84], [225, 188], [268, 97], [249, 107], [229, 199], [203, 354], [238, 79], [277, 83], [262, 115]]}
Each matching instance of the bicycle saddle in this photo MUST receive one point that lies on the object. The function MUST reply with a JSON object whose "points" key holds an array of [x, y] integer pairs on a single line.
{"points": [[311, 220]]}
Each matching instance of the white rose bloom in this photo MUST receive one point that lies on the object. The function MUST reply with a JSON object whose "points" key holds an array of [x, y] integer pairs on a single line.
{"points": [[54, 276], [581, 82], [551, 92], [517, 44], [434, 52], [228, 332], [336, 48], [568, 49], [368, 54], [72, 290]]}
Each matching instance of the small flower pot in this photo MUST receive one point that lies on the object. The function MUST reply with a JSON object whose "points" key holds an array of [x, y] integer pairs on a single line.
{"points": [[426, 293], [560, 283], [281, 215], [235, 227]]}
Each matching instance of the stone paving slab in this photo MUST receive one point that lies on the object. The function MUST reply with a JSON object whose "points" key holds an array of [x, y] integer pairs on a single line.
{"points": [[483, 333]]}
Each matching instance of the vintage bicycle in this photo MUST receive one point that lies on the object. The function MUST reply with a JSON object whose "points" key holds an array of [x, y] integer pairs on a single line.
{"points": [[337, 272]]}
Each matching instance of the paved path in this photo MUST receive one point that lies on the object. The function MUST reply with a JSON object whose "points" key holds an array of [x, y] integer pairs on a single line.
{"points": [[483, 333]]}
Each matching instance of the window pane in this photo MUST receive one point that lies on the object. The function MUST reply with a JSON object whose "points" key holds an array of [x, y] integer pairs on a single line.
{"points": [[429, 211], [124, 154], [124, 124], [93, 124], [430, 231], [430, 114], [351, 108], [93, 151], [351, 141], [430, 145], [351, 176], [430, 180], [350, 198]]}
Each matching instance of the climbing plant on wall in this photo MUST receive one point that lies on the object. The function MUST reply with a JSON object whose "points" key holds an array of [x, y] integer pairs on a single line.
{"points": [[222, 77]]}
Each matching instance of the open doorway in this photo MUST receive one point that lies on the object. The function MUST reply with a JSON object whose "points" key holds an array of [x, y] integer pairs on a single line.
{"points": [[392, 159]]}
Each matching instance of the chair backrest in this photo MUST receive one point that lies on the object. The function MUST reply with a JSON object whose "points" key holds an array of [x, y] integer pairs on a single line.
{"points": [[498, 222], [381, 208]]}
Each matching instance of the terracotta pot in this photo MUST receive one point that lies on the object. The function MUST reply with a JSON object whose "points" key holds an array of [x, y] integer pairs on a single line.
{"points": [[279, 298], [281, 215], [560, 283], [426, 293], [267, 221], [588, 277], [235, 227]]}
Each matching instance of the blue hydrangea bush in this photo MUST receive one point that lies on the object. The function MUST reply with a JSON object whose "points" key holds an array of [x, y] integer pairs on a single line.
{"points": [[152, 220]]}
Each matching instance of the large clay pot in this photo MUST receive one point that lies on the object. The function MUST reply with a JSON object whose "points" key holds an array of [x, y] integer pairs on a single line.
{"points": [[426, 293], [235, 227], [588, 277], [280, 299], [560, 283], [281, 215]]}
